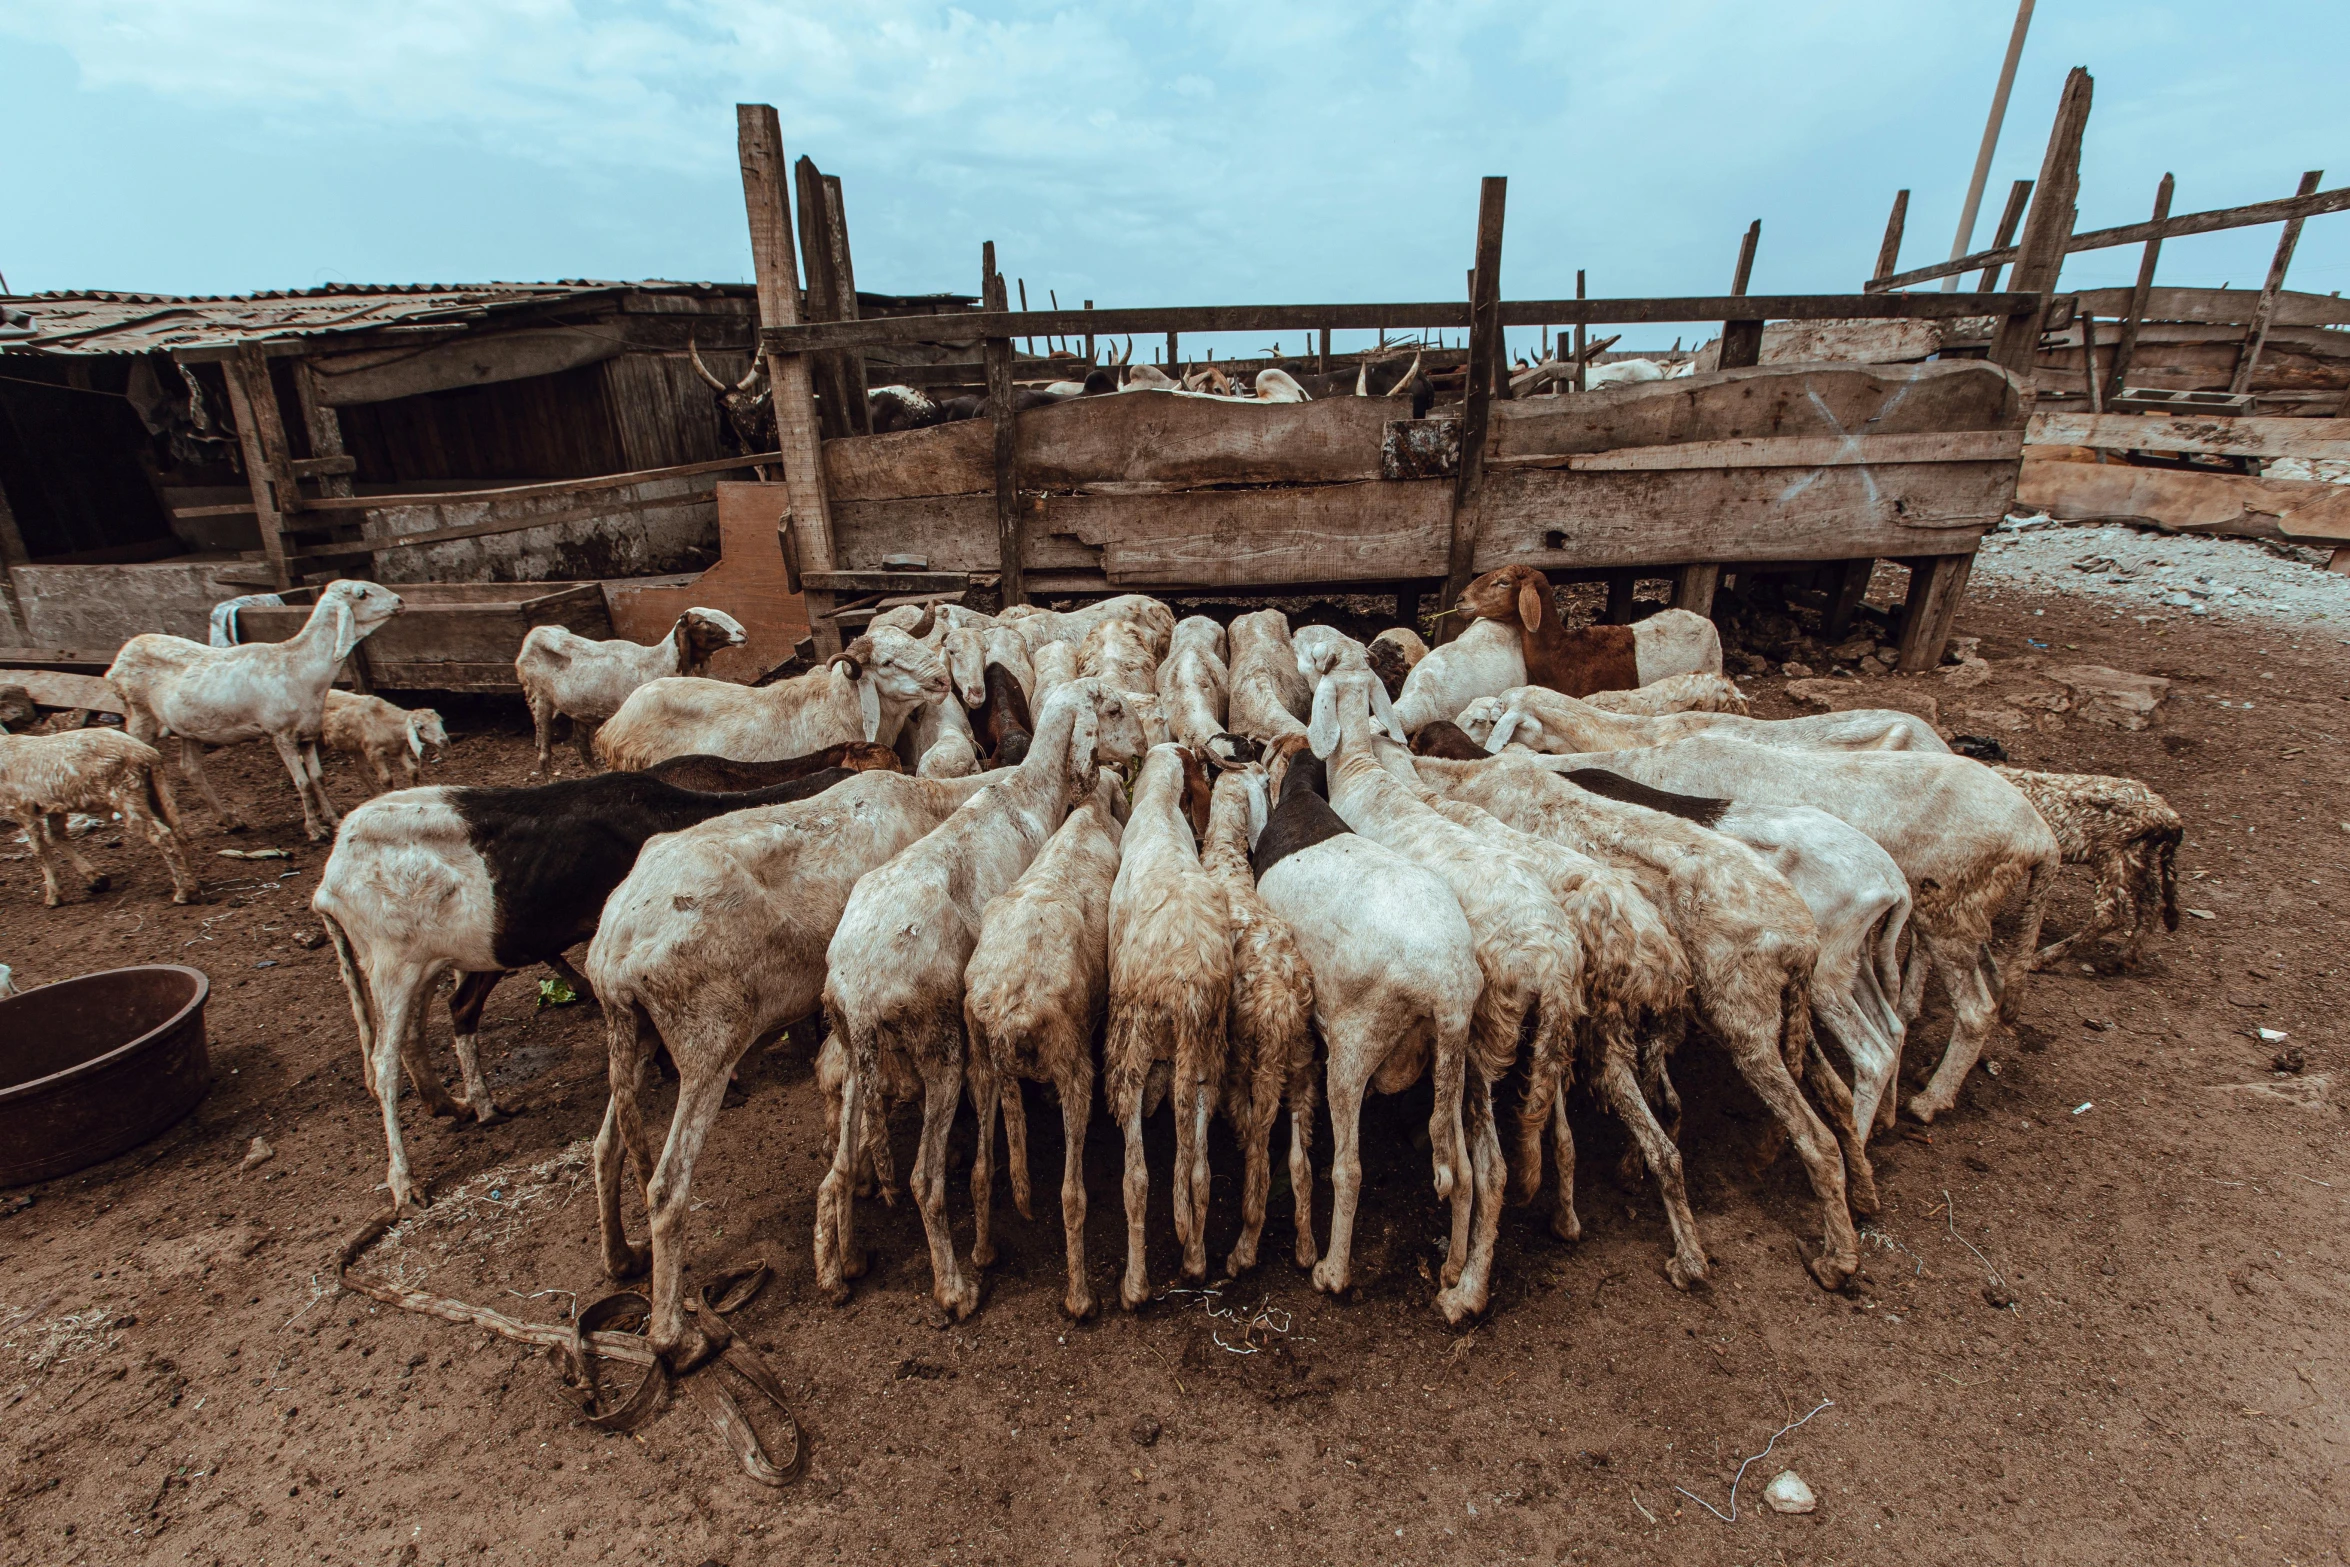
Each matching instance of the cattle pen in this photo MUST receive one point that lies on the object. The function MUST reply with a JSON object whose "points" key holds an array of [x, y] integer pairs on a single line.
{"points": [[1824, 468]]}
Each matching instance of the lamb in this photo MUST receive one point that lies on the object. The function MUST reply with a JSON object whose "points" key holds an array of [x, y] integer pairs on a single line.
{"points": [[1531, 960], [1119, 654], [384, 735], [1750, 941], [1040, 626], [1033, 1020], [44, 777], [2128, 835], [481, 881], [1545, 720], [1193, 684], [894, 989], [566, 675], [1268, 697], [1597, 658], [1486, 659], [1393, 654], [938, 740], [1395, 980], [866, 693], [1967, 841], [1269, 1052], [216, 696], [1170, 988], [715, 938], [1699, 693]]}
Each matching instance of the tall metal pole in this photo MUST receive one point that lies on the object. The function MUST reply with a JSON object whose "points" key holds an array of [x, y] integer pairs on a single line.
{"points": [[1974, 190]]}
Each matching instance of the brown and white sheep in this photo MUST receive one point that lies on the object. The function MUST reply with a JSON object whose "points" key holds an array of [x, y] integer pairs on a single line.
{"points": [[1596, 658], [2127, 835]]}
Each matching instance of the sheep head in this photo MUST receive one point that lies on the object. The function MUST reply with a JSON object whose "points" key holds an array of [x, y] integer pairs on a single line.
{"points": [[703, 633], [1510, 592], [425, 734]]}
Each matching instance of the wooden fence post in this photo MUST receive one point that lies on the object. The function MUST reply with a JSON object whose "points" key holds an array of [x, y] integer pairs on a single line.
{"points": [[1742, 340], [261, 435], [1089, 339], [2265, 313], [849, 364], [815, 258], [2017, 195], [1581, 334], [1008, 528], [2048, 229], [1937, 585], [1484, 330], [759, 147], [2127, 344], [1889, 253]]}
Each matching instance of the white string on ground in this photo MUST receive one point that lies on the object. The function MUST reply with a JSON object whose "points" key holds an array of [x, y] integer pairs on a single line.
{"points": [[1732, 1515]]}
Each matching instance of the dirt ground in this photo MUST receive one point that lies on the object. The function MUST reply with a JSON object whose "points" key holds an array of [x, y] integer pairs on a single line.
{"points": [[181, 1381]]}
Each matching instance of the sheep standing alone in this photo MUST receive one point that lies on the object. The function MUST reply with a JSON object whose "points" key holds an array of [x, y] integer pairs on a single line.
{"points": [[864, 694], [43, 777], [1034, 1020], [894, 987], [1170, 986], [2129, 837], [716, 937], [566, 675], [217, 696], [1269, 1058], [387, 738]]}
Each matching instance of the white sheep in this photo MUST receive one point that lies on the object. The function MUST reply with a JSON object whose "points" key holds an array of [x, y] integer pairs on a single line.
{"points": [[384, 736], [1267, 697], [1035, 1021], [894, 990], [1551, 721], [566, 675], [1040, 626], [217, 696], [866, 693], [44, 777], [1702, 692], [1119, 654], [1193, 691], [1486, 659]]}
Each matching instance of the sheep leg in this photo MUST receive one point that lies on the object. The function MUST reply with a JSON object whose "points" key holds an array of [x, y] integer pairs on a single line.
{"points": [[355, 991], [542, 723], [836, 1261], [36, 832], [1961, 964], [701, 1090], [1473, 1290], [400, 996], [1076, 1112], [1448, 1150], [1755, 1050], [317, 816], [1135, 1287], [2012, 966], [1913, 979], [192, 764], [465, 1004], [1301, 1171], [2110, 899], [942, 1091], [1860, 1177], [1015, 1113], [572, 977], [628, 1048], [987, 1093], [1565, 1223], [1545, 1086], [310, 765], [1256, 1181], [185, 888], [1191, 1103], [92, 879], [583, 735], [1334, 1272], [421, 1076], [1621, 1088]]}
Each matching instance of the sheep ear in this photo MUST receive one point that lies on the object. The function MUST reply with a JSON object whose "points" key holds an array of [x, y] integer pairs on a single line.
{"points": [[1383, 713], [346, 629], [415, 740], [1322, 728], [1084, 738], [1529, 607], [1503, 727], [869, 706]]}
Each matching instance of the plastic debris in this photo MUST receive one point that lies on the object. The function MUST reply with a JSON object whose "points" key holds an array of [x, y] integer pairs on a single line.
{"points": [[2084, 1107], [2273, 1036], [556, 993]]}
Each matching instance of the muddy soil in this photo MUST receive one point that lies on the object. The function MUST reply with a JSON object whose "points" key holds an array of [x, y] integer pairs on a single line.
{"points": [[180, 1380]]}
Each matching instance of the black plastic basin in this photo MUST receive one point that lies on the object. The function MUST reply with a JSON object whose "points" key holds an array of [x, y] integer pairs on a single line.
{"points": [[92, 1066]]}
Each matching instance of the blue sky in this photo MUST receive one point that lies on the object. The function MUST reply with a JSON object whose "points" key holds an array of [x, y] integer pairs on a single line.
{"points": [[1171, 153]]}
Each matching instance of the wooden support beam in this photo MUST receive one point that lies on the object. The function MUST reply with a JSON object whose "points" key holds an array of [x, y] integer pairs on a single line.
{"points": [[823, 298], [2127, 344], [2019, 196], [1010, 546], [759, 143], [2096, 382], [1484, 328], [1582, 341], [1937, 586], [1849, 586], [1889, 251], [1620, 585], [2265, 313], [12, 554], [2048, 228], [1694, 587], [261, 437], [851, 364], [1742, 337]]}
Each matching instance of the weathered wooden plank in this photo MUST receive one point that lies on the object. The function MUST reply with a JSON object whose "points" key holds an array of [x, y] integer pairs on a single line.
{"points": [[949, 532], [515, 492], [1819, 400], [890, 581], [1889, 252], [1135, 437], [2048, 227], [2264, 314], [1741, 341], [2018, 196], [1797, 451], [2220, 306], [1849, 342], [1453, 316], [471, 361], [1547, 518], [1485, 335], [2327, 439], [49, 688], [261, 436], [1376, 531], [1937, 586], [1694, 587], [2134, 321], [2182, 502], [1003, 444]]}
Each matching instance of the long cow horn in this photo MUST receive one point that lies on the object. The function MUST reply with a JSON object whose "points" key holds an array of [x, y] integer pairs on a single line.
{"points": [[1409, 376], [754, 375], [1363, 379], [701, 369]]}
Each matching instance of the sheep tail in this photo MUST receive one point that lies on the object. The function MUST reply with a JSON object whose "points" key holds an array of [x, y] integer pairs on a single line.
{"points": [[355, 986], [2166, 860], [1795, 1039], [160, 801]]}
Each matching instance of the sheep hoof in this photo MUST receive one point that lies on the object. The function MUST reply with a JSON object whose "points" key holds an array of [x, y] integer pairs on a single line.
{"points": [[1132, 1295], [1832, 1273], [1307, 1253], [1685, 1274], [983, 1255], [853, 1265], [1329, 1280], [1860, 1190], [1450, 1274], [1079, 1304], [629, 1262], [1922, 1110], [964, 1301], [100, 882], [232, 825], [1242, 1259], [836, 1294], [1457, 1308], [496, 1115], [1565, 1223]]}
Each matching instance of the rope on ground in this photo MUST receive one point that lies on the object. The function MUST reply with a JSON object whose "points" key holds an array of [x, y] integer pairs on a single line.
{"points": [[596, 1332]]}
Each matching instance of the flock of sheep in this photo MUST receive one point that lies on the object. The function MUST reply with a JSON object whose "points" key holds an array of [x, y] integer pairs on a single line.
{"points": [[1226, 869]]}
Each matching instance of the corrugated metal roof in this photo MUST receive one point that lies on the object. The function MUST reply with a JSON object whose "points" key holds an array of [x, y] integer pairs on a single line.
{"points": [[94, 323]]}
